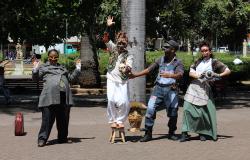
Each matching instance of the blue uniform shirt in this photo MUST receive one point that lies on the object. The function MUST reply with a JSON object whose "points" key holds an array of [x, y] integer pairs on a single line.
{"points": [[174, 66]]}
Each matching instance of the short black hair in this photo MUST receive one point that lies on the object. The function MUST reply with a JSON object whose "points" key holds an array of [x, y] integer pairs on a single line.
{"points": [[205, 43], [53, 50]]}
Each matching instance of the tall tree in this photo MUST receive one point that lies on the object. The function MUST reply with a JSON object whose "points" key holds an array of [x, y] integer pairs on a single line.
{"points": [[238, 23], [173, 18], [133, 22], [90, 76], [92, 18]]}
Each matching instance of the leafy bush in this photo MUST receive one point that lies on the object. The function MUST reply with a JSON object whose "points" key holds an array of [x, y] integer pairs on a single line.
{"points": [[103, 58], [239, 72], [1, 56]]}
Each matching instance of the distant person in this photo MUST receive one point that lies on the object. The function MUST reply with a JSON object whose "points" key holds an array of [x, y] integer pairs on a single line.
{"points": [[3, 88], [199, 112], [56, 97], [35, 57], [5, 55], [170, 69], [9, 56]]}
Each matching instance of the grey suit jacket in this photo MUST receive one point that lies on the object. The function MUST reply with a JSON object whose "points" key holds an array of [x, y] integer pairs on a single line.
{"points": [[51, 77]]}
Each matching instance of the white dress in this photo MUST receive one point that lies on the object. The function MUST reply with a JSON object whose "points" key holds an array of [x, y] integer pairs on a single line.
{"points": [[117, 89]]}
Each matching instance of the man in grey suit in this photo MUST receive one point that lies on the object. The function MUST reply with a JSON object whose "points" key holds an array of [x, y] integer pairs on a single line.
{"points": [[56, 97]]}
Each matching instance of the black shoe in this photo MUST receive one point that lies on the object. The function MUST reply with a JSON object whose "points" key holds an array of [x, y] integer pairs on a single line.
{"points": [[184, 137], [173, 137], [202, 137], [60, 141], [41, 143], [147, 137]]}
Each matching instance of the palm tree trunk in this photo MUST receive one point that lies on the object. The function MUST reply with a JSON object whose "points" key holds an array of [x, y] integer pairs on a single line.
{"points": [[133, 22], [90, 76]]}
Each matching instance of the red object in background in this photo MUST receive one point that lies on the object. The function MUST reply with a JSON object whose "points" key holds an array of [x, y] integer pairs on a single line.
{"points": [[19, 124]]}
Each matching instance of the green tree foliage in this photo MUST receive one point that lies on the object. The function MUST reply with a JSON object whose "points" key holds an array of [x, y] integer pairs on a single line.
{"points": [[36, 21], [238, 22], [110, 7], [172, 18], [43, 21], [16, 17], [224, 20]]}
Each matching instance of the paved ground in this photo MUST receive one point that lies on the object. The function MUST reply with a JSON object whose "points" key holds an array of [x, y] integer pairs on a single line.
{"points": [[89, 133]]}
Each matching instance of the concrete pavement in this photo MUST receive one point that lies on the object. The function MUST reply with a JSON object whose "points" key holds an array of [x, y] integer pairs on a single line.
{"points": [[89, 133]]}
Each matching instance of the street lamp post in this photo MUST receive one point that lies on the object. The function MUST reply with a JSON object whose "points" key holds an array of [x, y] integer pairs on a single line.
{"points": [[66, 35]]}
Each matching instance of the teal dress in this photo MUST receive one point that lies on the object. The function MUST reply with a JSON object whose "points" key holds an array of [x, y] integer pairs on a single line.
{"points": [[200, 119]]}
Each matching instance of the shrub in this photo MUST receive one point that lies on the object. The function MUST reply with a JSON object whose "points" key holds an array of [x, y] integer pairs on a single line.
{"points": [[239, 72]]}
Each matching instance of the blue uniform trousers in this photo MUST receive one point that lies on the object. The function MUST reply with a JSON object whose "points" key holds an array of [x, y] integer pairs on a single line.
{"points": [[162, 96]]}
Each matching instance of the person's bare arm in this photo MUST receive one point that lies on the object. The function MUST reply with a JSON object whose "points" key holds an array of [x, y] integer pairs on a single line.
{"points": [[172, 75], [179, 70], [225, 73], [107, 37], [138, 74], [194, 75], [146, 71]]}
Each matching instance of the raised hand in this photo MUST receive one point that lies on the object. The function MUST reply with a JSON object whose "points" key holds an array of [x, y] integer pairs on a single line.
{"points": [[36, 64], [110, 21], [78, 64]]}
